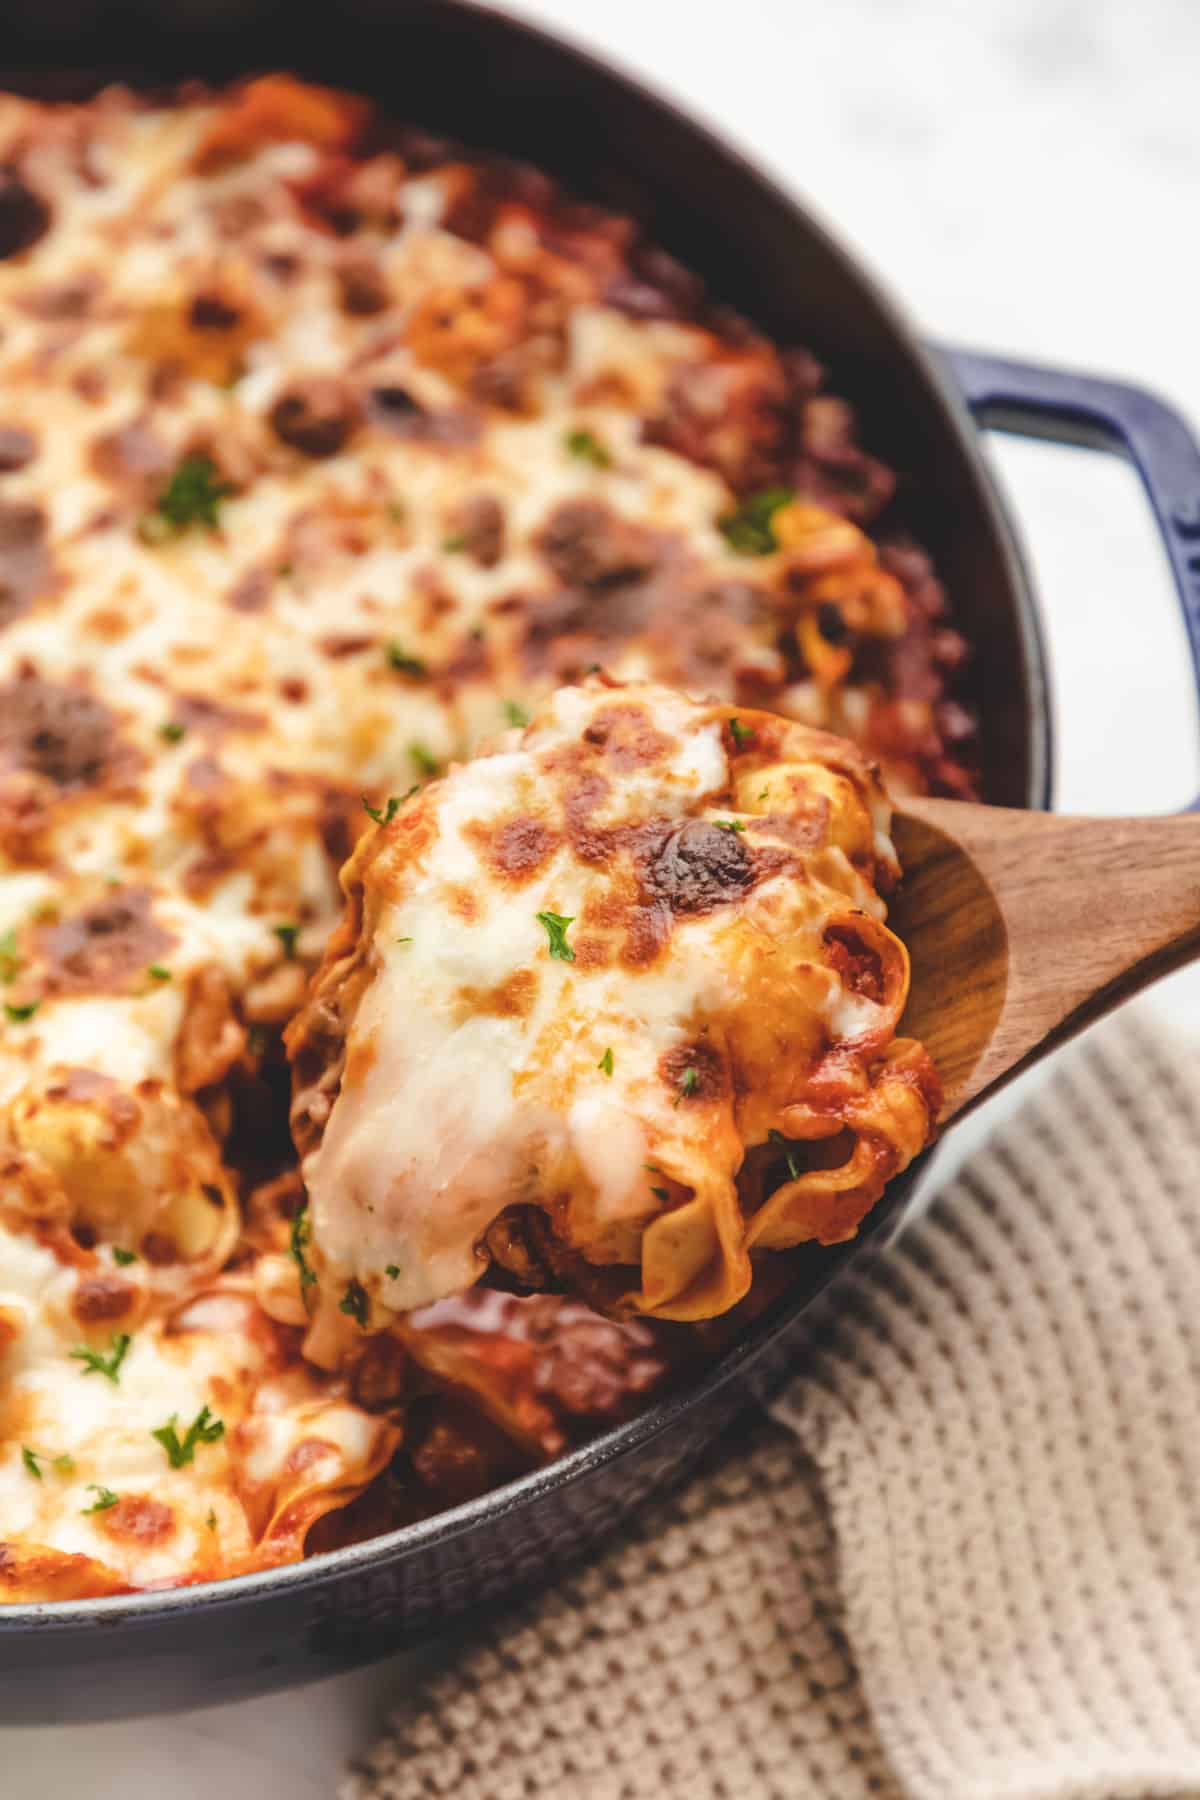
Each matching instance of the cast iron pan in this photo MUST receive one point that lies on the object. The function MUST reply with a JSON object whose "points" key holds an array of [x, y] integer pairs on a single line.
{"points": [[499, 85]]}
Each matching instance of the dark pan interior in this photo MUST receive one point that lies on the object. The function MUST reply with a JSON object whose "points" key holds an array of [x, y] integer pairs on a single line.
{"points": [[498, 85]]}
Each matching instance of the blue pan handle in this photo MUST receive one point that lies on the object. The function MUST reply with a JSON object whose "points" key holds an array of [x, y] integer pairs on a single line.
{"points": [[1104, 415]]}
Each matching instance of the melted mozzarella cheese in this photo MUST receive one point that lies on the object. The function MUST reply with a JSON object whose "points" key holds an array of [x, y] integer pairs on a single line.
{"points": [[615, 1085]]}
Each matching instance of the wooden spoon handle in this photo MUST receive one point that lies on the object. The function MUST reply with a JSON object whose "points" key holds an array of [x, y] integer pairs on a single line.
{"points": [[1044, 924]]}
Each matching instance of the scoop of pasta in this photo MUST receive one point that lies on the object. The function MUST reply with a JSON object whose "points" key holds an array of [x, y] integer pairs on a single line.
{"points": [[616, 1003]]}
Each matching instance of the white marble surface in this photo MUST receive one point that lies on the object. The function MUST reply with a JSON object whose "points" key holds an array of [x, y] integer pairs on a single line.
{"points": [[1022, 173]]}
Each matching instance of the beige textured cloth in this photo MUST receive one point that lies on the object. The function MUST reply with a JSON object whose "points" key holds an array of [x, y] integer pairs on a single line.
{"points": [[963, 1562]]}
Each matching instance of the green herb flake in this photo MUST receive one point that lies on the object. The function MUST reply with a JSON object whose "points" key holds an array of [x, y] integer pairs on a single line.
{"points": [[31, 1459], [300, 1240], [64, 1464], [211, 1519], [734, 825], [747, 529], [10, 962], [660, 1193], [793, 1168], [98, 1363], [287, 935], [392, 1271], [204, 1429], [689, 1081], [515, 713], [172, 730], [123, 1258], [191, 497], [382, 815], [354, 1302], [19, 1014], [555, 926], [741, 734], [404, 664], [425, 760], [588, 448], [159, 972], [457, 540], [104, 1498], [605, 1065]]}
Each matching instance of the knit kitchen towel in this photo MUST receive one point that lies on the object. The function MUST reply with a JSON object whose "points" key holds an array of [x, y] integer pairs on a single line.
{"points": [[963, 1563]]}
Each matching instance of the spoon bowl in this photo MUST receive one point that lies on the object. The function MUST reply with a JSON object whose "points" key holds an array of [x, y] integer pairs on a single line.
{"points": [[1024, 927]]}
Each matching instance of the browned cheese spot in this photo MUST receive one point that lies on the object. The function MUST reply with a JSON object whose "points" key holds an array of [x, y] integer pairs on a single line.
{"points": [[628, 738], [510, 999], [694, 1072], [516, 849], [694, 867]]}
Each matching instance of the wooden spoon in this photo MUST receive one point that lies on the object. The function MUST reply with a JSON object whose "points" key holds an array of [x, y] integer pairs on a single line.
{"points": [[1023, 927]]}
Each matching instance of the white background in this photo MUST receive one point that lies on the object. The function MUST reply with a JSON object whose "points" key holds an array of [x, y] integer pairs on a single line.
{"points": [[1023, 174]]}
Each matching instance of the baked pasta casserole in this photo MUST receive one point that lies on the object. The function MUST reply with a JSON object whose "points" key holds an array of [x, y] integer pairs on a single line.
{"points": [[330, 454]]}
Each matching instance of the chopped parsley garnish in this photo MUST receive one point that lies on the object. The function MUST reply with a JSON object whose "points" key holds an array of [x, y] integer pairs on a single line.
{"points": [[211, 1519], [457, 540], [204, 1429], [191, 497], [404, 940], [301, 1239], [730, 825], [425, 760], [104, 1498], [741, 734], [172, 730], [588, 448], [382, 815], [287, 935], [605, 1065], [10, 962], [760, 797], [354, 1302], [515, 713], [159, 972], [123, 1258], [19, 1014], [62, 1465], [748, 528], [404, 664], [777, 1137], [689, 1081], [661, 1193], [556, 930], [98, 1363], [392, 1271]]}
